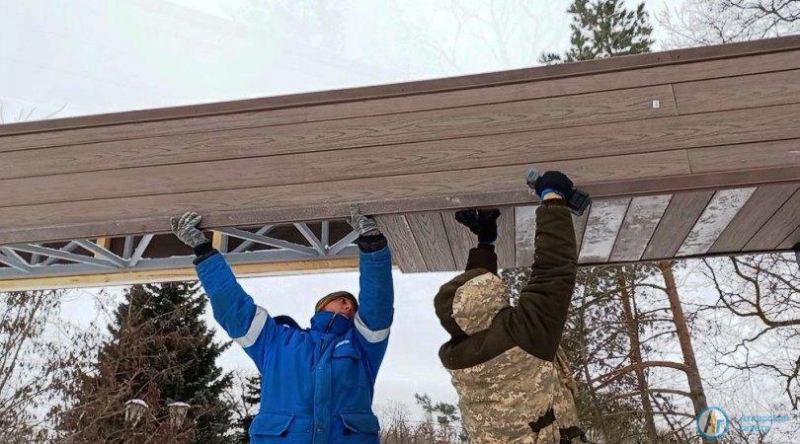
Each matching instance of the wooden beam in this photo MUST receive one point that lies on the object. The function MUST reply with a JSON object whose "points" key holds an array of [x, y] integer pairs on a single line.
{"points": [[769, 89], [179, 274], [614, 65], [397, 194], [103, 242]]}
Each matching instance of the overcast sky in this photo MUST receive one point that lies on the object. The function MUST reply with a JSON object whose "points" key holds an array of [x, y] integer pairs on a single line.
{"points": [[77, 57]]}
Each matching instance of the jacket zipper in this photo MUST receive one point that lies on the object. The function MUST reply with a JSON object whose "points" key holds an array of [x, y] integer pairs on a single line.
{"points": [[327, 330]]}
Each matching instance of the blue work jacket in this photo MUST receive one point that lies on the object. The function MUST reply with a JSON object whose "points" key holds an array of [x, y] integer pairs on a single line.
{"points": [[317, 383]]}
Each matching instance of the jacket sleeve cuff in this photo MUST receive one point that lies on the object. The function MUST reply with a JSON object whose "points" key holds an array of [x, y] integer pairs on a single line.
{"points": [[371, 244], [203, 252], [482, 256], [554, 203]]}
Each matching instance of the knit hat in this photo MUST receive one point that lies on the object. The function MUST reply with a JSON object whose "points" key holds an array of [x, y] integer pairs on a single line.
{"points": [[336, 295]]}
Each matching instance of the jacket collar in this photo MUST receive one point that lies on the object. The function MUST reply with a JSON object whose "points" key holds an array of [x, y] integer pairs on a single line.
{"points": [[326, 322]]}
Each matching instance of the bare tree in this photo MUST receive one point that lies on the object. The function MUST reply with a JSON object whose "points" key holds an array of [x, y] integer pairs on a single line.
{"points": [[708, 22], [38, 351], [762, 292], [478, 35]]}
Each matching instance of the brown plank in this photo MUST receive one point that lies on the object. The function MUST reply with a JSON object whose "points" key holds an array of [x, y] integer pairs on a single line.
{"points": [[405, 250], [429, 232], [736, 157], [790, 241], [757, 211], [525, 227], [506, 239], [683, 211], [636, 78], [566, 143], [393, 129], [628, 175], [770, 89], [352, 164], [602, 227], [719, 212], [783, 223], [640, 222], [389, 105], [385, 189], [579, 225], [683, 56], [461, 239]]}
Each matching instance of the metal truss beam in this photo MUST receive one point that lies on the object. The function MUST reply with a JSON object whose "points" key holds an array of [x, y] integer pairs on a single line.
{"points": [[83, 257]]}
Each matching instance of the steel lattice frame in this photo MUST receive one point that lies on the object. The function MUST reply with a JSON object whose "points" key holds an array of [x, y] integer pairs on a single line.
{"points": [[89, 256]]}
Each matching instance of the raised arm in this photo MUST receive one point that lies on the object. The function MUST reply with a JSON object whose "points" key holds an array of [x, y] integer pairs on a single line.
{"points": [[244, 321], [375, 313], [537, 322]]}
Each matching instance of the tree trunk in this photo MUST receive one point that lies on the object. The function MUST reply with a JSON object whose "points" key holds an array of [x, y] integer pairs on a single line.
{"points": [[698, 395], [632, 324]]}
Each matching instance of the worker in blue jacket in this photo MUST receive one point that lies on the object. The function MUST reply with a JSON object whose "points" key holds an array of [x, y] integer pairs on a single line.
{"points": [[317, 383]]}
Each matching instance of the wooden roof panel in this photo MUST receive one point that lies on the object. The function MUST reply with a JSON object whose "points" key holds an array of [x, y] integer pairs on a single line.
{"points": [[715, 128]]}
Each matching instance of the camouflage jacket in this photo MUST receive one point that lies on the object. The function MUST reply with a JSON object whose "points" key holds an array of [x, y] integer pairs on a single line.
{"points": [[513, 381]]}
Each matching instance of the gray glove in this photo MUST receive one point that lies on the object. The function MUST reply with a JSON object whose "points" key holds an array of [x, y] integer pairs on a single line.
{"points": [[364, 225], [186, 229]]}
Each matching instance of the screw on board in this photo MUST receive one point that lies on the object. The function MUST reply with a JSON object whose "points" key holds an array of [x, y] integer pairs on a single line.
{"points": [[656, 103]]}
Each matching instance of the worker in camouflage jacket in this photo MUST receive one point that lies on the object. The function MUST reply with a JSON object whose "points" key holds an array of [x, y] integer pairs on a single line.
{"points": [[513, 381]]}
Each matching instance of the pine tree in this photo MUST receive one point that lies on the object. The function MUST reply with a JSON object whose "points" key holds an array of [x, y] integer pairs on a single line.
{"points": [[604, 28], [160, 351], [252, 399]]}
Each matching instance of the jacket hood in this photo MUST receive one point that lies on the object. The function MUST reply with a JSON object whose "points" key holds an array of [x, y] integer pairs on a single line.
{"points": [[477, 302]]}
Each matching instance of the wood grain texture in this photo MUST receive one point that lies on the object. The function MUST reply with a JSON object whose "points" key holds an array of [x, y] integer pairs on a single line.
{"points": [[495, 118], [397, 194], [779, 153], [506, 244], [682, 212], [537, 146], [740, 53], [640, 222], [791, 240], [405, 250], [429, 232], [352, 164], [637, 78], [602, 226], [111, 278], [525, 227], [461, 239], [770, 89], [766, 200], [782, 224], [720, 211], [579, 225], [116, 127]]}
